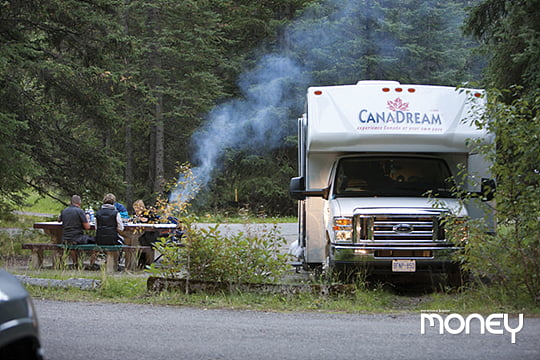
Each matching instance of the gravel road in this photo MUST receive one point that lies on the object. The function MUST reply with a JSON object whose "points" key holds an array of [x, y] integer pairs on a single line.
{"points": [[73, 331]]}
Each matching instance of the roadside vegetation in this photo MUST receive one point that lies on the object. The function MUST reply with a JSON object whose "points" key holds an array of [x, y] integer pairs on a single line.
{"points": [[365, 298], [256, 256], [510, 258], [362, 296]]}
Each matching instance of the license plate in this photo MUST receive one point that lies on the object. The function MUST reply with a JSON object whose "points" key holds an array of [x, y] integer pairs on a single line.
{"points": [[403, 265]]}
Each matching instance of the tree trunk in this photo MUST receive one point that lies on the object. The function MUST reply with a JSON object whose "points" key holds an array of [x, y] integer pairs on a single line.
{"points": [[128, 144], [157, 143], [159, 146], [128, 148]]}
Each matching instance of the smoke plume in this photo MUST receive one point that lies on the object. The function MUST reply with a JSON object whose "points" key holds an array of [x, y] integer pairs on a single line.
{"points": [[322, 38]]}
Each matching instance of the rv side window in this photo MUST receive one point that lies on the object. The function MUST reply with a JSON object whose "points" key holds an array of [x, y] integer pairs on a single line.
{"points": [[392, 176]]}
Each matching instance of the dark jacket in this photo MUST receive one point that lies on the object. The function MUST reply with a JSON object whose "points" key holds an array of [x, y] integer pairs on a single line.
{"points": [[106, 233]]}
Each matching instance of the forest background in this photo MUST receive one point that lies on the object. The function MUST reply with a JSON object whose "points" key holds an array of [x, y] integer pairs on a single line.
{"points": [[101, 96]]}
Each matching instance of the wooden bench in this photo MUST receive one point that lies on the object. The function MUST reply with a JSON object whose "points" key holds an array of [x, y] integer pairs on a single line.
{"points": [[112, 252]]}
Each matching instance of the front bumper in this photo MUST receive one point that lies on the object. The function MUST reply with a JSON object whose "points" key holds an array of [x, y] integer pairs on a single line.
{"points": [[378, 258]]}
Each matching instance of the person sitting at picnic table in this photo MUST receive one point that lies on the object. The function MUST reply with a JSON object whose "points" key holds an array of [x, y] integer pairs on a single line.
{"points": [[74, 222], [122, 210], [143, 215], [109, 223]]}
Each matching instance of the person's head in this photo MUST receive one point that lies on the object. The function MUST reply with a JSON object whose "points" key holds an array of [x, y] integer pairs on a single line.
{"points": [[109, 199], [138, 206], [76, 200]]}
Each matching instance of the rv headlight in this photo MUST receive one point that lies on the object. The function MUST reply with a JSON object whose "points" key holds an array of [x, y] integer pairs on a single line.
{"points": [[342, 229]]}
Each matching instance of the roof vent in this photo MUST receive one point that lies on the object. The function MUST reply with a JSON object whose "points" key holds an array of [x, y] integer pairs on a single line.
{"points": [[378, 82]]}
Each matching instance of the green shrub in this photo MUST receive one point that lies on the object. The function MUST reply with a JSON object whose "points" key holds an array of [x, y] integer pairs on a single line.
{"points": [[206, 254], [11, 245], [511, 258]]}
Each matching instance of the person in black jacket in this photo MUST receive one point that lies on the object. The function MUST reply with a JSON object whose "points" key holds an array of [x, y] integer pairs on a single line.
{"points": [[108, 223]]}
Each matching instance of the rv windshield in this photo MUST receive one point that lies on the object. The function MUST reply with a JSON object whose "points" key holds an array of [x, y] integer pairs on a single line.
{"points": [[392, 176]]}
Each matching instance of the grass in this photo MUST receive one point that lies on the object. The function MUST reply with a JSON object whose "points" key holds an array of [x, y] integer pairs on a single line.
{"points": [[44, 205], [10, 245], [20, 221], [131, 288]]}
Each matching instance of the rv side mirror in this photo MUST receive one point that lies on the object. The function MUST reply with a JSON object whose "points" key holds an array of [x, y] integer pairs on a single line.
{"points": [[487, 189], [325, 193], [297, 188]]}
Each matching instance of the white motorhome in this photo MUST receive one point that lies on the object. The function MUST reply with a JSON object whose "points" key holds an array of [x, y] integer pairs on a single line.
{"points": [[369, 154]]}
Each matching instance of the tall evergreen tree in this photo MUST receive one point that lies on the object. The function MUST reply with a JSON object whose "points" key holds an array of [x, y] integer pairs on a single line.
{"points": [[409, 41], [105, 94], [510, 31], [55, 58], [178, 52]]}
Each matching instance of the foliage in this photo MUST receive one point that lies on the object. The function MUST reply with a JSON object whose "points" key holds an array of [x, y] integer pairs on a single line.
{"points": [[10, 244], [410, 41], [510, 33], [53, 90], [207, 254], [510, 258], [105, 95], [250, 179], [130, 289], [336, 42]]}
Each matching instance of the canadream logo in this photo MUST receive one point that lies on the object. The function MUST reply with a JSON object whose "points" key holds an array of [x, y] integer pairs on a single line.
{"points": [[399, 114]]}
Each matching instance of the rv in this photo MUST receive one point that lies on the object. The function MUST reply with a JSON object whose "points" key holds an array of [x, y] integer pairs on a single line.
{"points": [[379, 163]]}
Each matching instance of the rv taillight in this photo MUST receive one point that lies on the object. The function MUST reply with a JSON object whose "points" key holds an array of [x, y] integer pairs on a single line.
{"points": [[411, 90], [317, 92], [477, 94], [386, 89], [399, 89]]}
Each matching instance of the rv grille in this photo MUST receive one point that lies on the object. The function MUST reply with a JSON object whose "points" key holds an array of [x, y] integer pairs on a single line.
{"points": [[397, 229]]}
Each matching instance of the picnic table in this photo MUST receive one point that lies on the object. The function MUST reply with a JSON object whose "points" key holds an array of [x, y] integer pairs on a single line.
{"points": [[131, 234]]}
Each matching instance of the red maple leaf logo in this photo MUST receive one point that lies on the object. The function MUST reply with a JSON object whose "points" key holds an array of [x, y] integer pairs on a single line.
{"points": [[398, 105]]}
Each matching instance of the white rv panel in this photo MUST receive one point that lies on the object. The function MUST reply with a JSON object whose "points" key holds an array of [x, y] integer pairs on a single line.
{"points": [[392, 118]]}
